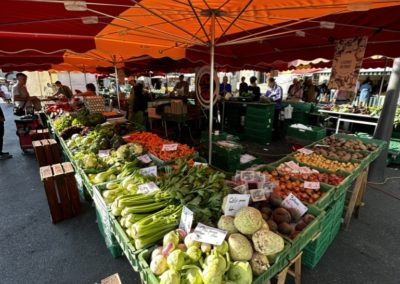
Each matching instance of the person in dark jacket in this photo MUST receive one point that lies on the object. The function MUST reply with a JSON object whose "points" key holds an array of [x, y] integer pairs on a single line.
{"points": [[254, 89], [3, 155], [243, 86]]}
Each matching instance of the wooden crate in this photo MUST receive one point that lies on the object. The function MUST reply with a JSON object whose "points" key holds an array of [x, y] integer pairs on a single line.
{"points": [[61, 191], [47, 152], [39, 134]]}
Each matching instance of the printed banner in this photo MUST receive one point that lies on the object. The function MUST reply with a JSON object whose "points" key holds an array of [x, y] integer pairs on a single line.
{"points": [[347, 62]]}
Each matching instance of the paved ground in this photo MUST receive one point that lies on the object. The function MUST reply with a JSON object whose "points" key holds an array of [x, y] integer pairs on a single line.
{"points": [[33, 250]]}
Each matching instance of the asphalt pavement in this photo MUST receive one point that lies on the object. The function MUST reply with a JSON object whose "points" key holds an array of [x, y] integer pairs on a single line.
{"points": [[33, 250]]}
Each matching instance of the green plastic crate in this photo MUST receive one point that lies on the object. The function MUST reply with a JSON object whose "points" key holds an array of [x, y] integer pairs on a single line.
{"points": [[330, 226], [109, 238], [259, 136], [317, 133], [299, 106], [262, 126], [308, 233], [300, 117], [260, 110]]}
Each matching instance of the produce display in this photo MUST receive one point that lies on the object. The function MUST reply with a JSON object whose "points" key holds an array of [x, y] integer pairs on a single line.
{"points": [[324, 163], [338, 153], [81, 117], [154, 144], [308, 174], [246, 252], [351, 144], [285, 186], [347, 108]]}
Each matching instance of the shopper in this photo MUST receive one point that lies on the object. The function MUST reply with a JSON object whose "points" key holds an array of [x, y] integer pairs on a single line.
{"points": [[21, 96], [90, 91], [131, 99], [63, 90], [182, 87], [254, 89], [295, 92], [275, 93], [310, 91], [3, 155], [5, 92], [225, 87], [139, 104], [365, 93], [243, 86]]}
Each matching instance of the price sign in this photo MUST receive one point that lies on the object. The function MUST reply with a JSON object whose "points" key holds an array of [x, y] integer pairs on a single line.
{"points": [[260, 177], [247, 175], [312, 184], [147, 188], [209, 235], [258, 194], [235, 202], [198, 164], [104, 153], [186, 220], [292, 201], [243, 188], [149, 171], [292, 165], [169, 147], [267, 186], [144, 158], [305, 151]]}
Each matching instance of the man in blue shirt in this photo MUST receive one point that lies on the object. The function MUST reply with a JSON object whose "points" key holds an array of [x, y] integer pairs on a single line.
{"points": [[225, 87]]}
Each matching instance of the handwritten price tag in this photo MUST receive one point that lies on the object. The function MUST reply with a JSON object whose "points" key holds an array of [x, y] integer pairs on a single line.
{"points": [[305, 151], [235, 202], [247, 175], [186, 220], [258, 195], [144, 158], [292, 165], [312, 185], [149, 171], [148, 188], [209, 235], [243, 188], [104, 153], [169, 147], [267, 186], [292, 201]]}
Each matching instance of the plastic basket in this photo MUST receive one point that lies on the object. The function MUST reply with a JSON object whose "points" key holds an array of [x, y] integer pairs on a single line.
{"points": [[109, 238], [146, 274], [260, 110], [330, 226], [261, 126], [317, 133], [308, 233]]}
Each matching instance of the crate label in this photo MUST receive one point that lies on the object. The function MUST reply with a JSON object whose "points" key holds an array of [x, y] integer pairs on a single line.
{"points": [[104, 153], [148, 188], [312, 185], [234, 202], [198, 164], [186, 220], [292, 165], [144, 158], [258, 194], [305, 151], [292, 201], [243, 188], [149, 171], [169, 147], [247, 175], [209, 235]]}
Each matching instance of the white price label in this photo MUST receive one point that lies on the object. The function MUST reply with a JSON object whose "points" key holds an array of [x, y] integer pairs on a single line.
{"points": [[312, 185], [169, 147], [260, 177], [234, 202], [186, 220], [305, 151], [209, 235], [292, 201], [292, 165], [149, 171], [104, 153], [247, 175], [148, 188], [198, 164], [144, 158], [258, 195], [243, 188], [267, 186]]}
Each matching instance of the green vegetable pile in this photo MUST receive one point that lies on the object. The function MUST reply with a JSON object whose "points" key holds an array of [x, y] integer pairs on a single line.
{"points": [[80, 118]]}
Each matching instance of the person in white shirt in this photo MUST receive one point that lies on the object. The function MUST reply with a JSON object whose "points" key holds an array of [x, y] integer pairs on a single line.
{"points": [[21, 95], [6, 92]]}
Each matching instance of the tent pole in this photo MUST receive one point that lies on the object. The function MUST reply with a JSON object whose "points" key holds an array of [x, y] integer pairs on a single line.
{"points": [[385, 124], [40, 84], [69, 77], [383, 77], [84, 74], [117, 84], [211, 118]]}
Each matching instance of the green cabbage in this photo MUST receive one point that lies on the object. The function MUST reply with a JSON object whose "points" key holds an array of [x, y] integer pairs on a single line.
{"points": [[176, 260], [240, 272]]}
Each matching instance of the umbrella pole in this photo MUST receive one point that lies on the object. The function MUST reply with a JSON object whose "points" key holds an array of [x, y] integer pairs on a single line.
{"points": [[84, 74], [69, 77], [383, 130], [210, 130], [117, 84]]}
